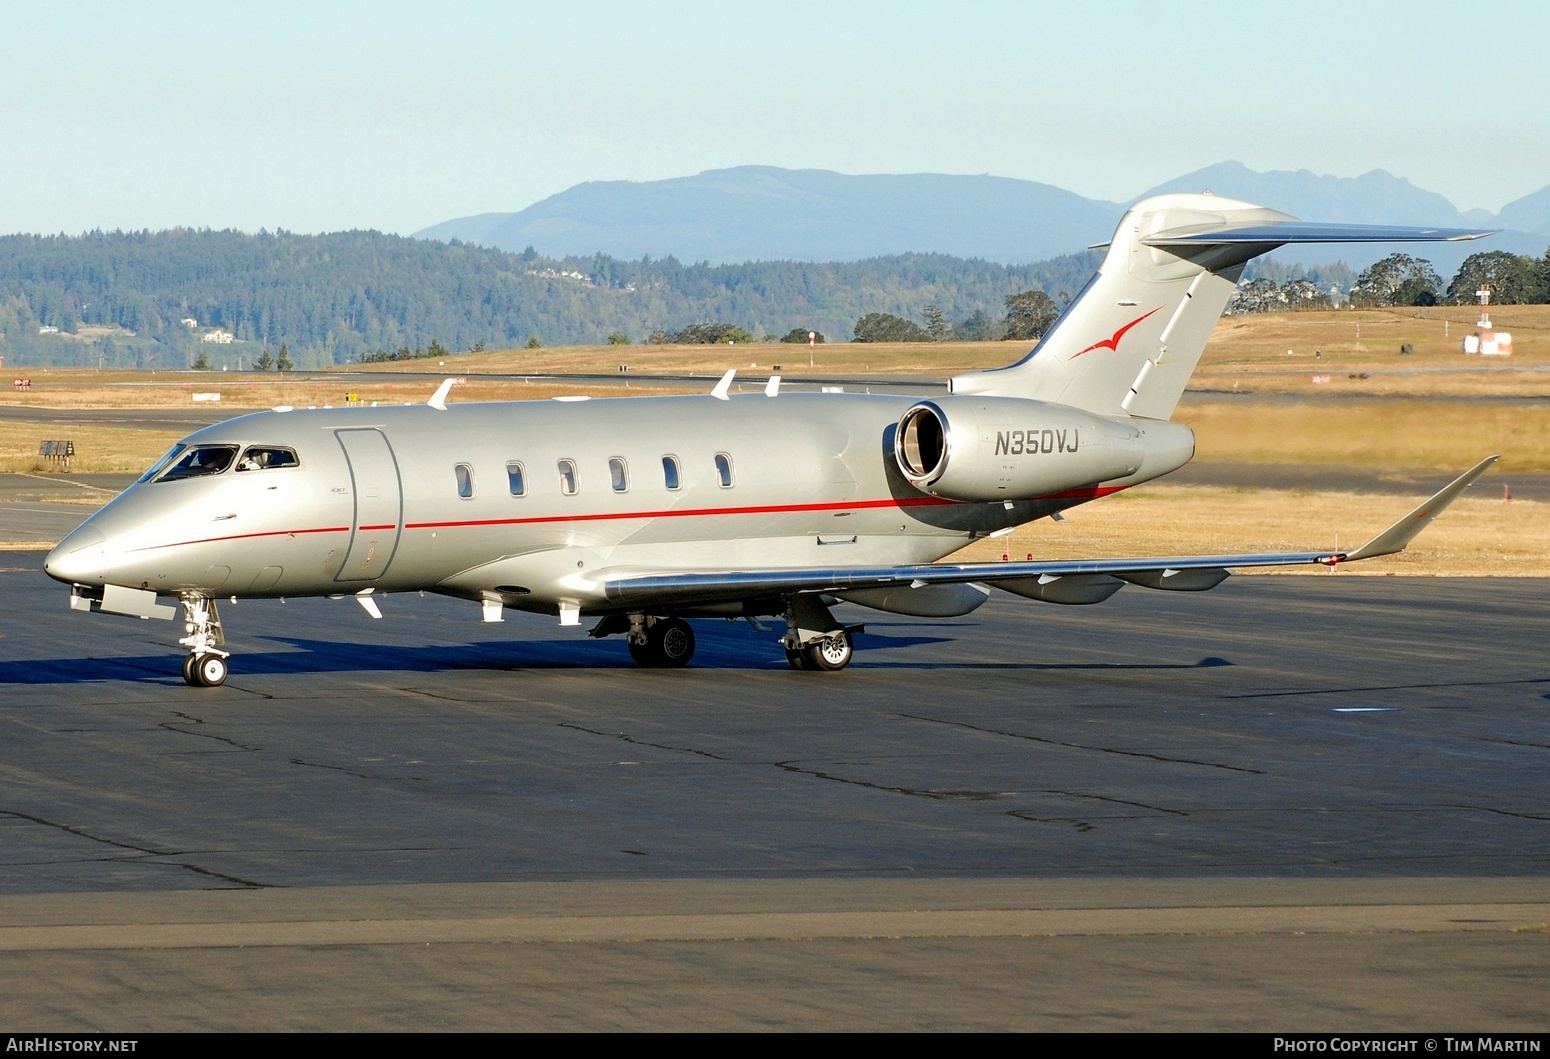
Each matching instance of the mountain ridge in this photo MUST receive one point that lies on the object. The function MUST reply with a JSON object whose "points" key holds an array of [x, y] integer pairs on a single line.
{"points": [[756, 212]]}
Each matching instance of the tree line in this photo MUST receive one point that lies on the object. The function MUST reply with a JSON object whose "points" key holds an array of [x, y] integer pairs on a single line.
{"points": [[1403, 280], [166, 299]]}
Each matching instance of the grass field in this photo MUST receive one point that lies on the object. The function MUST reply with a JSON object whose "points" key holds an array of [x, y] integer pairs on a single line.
{"points": [[1404, 416], [1477, 536]]}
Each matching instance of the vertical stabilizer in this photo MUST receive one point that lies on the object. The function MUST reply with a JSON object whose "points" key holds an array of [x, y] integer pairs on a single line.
{"points": [[1130, 341], [1132, 338]]}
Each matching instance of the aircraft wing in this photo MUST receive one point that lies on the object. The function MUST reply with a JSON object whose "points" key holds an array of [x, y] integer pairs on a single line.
{"points": [[1087, 577]]}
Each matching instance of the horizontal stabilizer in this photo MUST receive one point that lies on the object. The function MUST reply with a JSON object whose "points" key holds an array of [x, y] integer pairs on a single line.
{"points": [[1401, 533], [1304, 232]]}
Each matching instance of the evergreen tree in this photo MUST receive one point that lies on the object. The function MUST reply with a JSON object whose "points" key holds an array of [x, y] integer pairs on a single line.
{"points": [[202, 362], [1028, 315], [1513, 279], [936, 323], [265, 361], [284, 362]]}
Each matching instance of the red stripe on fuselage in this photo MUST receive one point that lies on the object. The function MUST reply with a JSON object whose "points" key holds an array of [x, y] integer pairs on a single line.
{"points": [[1085, 493]]}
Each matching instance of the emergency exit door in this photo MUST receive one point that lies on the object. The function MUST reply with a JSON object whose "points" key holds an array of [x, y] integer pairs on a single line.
{"points": [[379, 504]]}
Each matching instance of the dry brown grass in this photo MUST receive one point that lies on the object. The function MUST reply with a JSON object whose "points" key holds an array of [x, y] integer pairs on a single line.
{"points": [[1250, 352], [100, 449], [1446, 435], [244, 392], [1474, 537], [832, 358]]}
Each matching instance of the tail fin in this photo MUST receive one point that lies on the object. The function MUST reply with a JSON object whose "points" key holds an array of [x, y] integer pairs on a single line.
{"points": [[1130, 341]]}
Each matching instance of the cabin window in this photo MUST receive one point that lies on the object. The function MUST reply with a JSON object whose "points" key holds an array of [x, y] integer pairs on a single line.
{"points": [[267, 458], [568, 477], [723, 470], [465, 480], [161, 464], [200, 461], [516, 478], [619, 474], [670, 472]]}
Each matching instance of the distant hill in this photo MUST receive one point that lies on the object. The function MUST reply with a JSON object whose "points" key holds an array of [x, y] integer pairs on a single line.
{"points": [[762, 213], [755, 213]]}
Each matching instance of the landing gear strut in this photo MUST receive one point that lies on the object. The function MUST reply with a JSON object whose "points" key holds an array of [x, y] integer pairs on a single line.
{"points": [[661, 643], [205, 666]]}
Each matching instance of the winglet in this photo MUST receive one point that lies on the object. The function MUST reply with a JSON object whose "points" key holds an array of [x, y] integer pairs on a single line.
{"points": [[438, 399], [720, 392], [772, 387], [1405, 530]]}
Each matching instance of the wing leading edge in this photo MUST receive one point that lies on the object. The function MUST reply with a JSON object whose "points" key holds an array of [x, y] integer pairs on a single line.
{"points": [[1180, 573]]}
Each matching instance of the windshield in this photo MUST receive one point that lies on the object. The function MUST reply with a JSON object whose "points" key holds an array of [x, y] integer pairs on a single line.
{"points": [[200, 461], [161, 464]]}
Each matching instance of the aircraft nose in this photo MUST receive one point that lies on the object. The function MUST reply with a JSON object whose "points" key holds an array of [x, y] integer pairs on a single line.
{"points": [[81, 558]]}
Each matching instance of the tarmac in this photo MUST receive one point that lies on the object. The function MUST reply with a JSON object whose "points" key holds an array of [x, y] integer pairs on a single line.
{"points": [[1287, 804]]}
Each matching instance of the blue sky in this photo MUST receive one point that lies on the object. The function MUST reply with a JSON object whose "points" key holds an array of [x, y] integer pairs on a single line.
{"points": [[323, 116]]}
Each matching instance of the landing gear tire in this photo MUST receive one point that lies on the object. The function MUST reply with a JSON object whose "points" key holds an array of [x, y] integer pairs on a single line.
{"points": [[669, 645], [797, 659], [205, 671], [831, 654]]}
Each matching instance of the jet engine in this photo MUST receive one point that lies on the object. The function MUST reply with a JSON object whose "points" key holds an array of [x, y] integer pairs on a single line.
{"points": [[1008, 448]]}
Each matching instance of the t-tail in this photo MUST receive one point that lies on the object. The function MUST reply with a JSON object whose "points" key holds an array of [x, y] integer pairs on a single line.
{"points": [[1129, 342]]}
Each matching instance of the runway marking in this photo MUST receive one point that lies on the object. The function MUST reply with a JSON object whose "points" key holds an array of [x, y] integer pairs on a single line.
{"points": [[1365, 709], [66, 481], [787, 926]]}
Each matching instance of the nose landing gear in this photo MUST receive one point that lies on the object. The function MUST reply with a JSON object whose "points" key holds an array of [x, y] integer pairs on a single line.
{"points": [[205, 666]]}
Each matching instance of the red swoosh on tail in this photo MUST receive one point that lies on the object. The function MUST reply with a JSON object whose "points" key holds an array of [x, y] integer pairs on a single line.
{"points": [[1112, 342]]}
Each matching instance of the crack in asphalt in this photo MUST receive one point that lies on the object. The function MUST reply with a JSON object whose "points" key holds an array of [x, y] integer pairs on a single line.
{"points": [[1389, 687], [1500, 812], [352, 772], [1085, 746], [642, 742], [80, 832], [171, 727], [1026, 814], [938, 794], [1516, 742]]}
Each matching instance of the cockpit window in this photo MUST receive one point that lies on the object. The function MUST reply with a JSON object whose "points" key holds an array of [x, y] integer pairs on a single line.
{"points": [[200, 461], [267, 458], [161, 464]]}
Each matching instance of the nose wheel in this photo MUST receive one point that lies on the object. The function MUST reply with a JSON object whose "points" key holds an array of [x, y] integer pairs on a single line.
{"points": [[205, 670], [205, 666]]}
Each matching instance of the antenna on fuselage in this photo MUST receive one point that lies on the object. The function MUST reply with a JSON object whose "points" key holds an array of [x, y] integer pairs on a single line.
{"points": [[438, 399], [772, 387], [720, 392]]}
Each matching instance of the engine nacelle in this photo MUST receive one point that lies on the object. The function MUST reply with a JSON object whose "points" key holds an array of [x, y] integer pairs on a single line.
{"points": [[1007, 448]]}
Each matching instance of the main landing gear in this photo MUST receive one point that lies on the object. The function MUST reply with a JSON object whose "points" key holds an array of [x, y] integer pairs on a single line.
{"points": [[829, 654], [815, 639], [661, 643], [205, 666]]}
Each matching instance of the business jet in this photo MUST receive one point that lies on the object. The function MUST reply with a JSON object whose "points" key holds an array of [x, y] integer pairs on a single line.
{"points": [[637, 514]]}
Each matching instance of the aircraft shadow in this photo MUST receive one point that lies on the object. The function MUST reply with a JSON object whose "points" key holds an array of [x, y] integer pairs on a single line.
{"points": [[717, 648]]}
